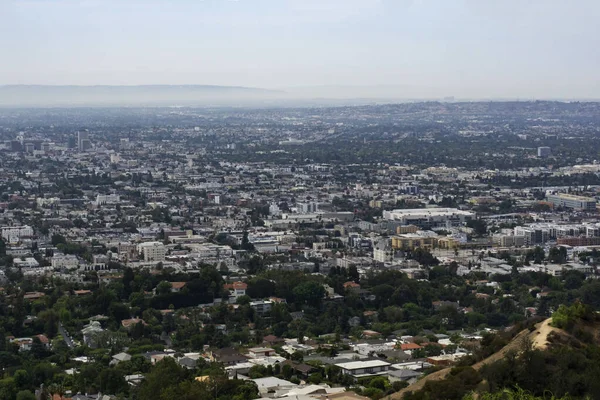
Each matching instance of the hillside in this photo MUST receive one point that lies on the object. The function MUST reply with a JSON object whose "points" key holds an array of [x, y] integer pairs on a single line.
{"points": [[539, 338], [515, 345]]}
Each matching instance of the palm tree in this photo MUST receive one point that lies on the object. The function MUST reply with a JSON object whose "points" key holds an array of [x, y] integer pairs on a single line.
{"points": [[55, 388]]}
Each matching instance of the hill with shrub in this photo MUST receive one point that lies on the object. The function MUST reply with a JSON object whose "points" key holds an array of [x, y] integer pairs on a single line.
{"points": [[555, 358]]}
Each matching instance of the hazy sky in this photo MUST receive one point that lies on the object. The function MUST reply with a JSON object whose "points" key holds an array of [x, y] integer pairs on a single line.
{"points": [[480, 48]]}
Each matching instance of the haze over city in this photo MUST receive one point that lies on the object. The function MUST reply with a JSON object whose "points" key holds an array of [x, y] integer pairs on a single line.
{"points": [[299, 199], [397, 49]]}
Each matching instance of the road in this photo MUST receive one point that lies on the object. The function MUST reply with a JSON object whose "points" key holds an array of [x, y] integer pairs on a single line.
{"points": [[65, 335]]}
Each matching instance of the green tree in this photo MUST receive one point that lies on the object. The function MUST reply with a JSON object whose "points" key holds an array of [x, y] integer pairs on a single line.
{"points": [[25, 395], [163, 288], [557, 255], [58, 239], [165, 374], [22, 379], [315, 378], [50, 318], [310, 293], [113, 381]]}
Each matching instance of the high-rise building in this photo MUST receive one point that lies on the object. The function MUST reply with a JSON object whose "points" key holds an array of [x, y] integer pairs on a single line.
{"points": [[83, 141], [72, 142], [15, 145], [543, 152]]}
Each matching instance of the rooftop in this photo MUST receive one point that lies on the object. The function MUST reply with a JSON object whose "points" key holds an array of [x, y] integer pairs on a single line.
{"points": [[362, 364]]}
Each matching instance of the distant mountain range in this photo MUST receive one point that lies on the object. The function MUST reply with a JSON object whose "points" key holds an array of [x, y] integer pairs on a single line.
{"points": [[155, 95], [227, 96]]}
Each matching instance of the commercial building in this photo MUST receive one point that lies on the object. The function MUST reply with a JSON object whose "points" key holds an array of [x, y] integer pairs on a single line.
{"points": [[412, 240], [14, 234], [102, 199], [402, 229], [571, 201], [509, 240], [543, 152], [307, 207], [83, 141], [430, 217], [578, 241], [533, 235], [68, 261], [26, 262]]}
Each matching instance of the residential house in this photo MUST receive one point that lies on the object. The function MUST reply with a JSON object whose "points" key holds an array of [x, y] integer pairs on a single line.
{"points": [[364, 368], [227, 356], [236, 289], [177, 286], [257, 352]]}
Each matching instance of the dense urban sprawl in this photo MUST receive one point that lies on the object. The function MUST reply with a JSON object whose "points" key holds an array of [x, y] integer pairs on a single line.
{"points": [[311, 253]]}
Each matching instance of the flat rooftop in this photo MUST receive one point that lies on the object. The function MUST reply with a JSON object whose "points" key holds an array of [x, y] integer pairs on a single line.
{"points": [[430, 211], [573, 197], [362, 364]]}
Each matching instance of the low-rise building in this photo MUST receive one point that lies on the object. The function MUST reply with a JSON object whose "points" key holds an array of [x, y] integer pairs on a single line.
{"points": [[364, 368]]}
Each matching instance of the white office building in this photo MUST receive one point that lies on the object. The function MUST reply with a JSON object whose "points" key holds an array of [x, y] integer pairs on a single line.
{"points": [[430, 217], [571, 201], [68, 261], [102, 199], [152, 251], [14, 234]]}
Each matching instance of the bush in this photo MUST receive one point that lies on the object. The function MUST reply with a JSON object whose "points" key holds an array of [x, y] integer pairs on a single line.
{"points": [[373, 393], [508, 394], [315, 378], [566, 317]]}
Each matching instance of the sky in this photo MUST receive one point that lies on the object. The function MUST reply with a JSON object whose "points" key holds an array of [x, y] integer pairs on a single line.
{"points": [[419, 48]]}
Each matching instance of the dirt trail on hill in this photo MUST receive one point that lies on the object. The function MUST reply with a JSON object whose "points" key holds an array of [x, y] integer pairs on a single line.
{"points": [[516, 345], [539, 337]]}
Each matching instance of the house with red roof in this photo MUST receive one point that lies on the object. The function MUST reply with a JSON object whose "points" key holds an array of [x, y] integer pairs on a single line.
{"points": [[409, 346], [177, 286], [351, 286], [236, 289], [33, 295]]}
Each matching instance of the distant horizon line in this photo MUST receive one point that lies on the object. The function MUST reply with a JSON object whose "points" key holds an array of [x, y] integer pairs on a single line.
{"points": [[282, 90], [199, 95]]}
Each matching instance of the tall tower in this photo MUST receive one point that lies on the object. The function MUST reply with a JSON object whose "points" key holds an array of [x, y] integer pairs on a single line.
{"points": [[83, 141]]}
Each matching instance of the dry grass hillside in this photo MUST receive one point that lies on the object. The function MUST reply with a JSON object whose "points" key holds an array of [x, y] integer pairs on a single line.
{"points": [[538, 338]]}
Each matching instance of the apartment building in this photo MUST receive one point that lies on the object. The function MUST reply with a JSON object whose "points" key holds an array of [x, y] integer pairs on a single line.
{"points": [[152, 251]]}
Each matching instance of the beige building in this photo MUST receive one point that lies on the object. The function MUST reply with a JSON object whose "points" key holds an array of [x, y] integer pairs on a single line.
{"points": [[411, 241], [402, 229], [152, 251]]}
